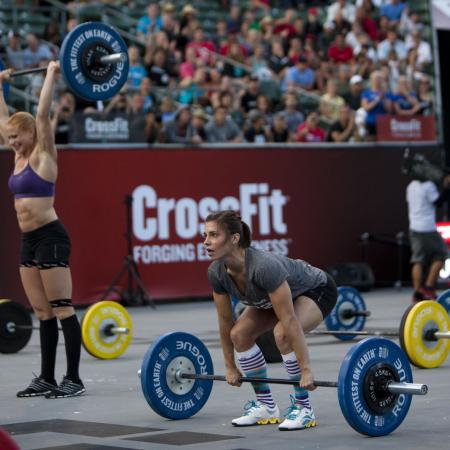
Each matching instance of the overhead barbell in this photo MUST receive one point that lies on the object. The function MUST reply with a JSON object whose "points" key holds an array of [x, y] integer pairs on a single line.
{"points": [[93, 60], [375, 384]]}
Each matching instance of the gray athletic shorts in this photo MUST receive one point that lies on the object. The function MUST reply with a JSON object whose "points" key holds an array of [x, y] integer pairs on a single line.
{"points": [[427, 247]]}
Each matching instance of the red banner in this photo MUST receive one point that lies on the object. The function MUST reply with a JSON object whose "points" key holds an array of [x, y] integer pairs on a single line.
{"points": [[406, 128], [307, 203]]}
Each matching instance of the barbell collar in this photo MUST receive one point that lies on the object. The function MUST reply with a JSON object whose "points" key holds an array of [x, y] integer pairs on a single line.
{"points": [[442, 334], [120, 330], [407, 388], [113, 58]]}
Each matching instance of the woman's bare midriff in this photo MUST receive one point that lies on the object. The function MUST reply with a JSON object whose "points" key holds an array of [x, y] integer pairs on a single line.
{"points": [[34, 212]]}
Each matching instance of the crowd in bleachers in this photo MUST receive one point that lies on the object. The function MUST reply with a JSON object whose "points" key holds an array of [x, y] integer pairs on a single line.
{"points": [[309, 71]]}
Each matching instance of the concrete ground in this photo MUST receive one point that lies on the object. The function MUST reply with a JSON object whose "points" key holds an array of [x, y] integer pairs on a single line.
{"points": [[113, 414]]}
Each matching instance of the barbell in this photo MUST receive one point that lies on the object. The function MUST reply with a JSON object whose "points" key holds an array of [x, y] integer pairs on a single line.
{"points": [[93, 60], [106, 328], [375, 383]]}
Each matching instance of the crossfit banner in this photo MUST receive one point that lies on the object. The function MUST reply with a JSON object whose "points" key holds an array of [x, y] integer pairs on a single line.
{"points": [[406, 128], [114, 128], [308, 203]]}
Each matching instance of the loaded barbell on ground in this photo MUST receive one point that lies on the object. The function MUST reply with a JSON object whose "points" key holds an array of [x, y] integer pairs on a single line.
{"points": [[375, 384], [93, 60], [106, 328], [424, 334]]}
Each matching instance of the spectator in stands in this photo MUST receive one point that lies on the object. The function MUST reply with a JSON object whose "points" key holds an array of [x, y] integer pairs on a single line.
{"points": [[222, 128], [234, 66], [248, 96], [257, 131], [52, 34], [145, 90], [157, 69], [152, 127], [137, 104], [264, 106], [150, 23], [341, 24], [220, 36], [343, 130], [409, 23], [278, 61], [189, 65], [423, 49], [170, 25], [291, 114], [326, 39], [330, 102], [425, 96], [299, 76], [342, 7], [179, 130], [234, 20], [391, 44], [137, 71], [393, 11], [313, 26], [375, 102], [364, 61], [404, 101], [295, 50], [367, 22], [204, 49], [356, 37], [310, 131], [199, 120], [353, 97], [62, 117], [284, 25], [230, 100], [192, 88], [119, 104], [14, 51], [168, 109], [36, 51], [340, 52], [279, 131]]}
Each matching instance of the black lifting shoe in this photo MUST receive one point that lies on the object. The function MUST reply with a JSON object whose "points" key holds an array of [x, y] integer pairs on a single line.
{"points": [[37, 387], [67, 388]]}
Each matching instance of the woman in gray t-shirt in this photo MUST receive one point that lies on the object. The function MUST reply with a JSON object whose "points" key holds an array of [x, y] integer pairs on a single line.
{"points": [[288, 295]]}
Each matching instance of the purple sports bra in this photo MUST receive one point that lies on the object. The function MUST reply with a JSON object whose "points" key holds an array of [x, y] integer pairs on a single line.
{"points": [[28, 183]]}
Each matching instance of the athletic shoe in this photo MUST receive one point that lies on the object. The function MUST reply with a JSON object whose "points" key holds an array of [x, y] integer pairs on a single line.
{"points": [[257, 413], [417, 297], [428, 293], [67, 388], [37, 387], [297, 417]]}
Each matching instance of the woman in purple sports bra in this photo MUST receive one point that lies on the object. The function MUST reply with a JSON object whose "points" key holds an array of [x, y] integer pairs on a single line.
{"points": [[45, 250]]}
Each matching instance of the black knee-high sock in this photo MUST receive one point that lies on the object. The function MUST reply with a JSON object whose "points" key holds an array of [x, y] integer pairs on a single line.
{"points": [[48, 332], [72, 337]]}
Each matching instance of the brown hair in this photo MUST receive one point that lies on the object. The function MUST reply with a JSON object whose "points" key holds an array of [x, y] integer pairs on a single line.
{"points": [[231, 222], [23, 121]]}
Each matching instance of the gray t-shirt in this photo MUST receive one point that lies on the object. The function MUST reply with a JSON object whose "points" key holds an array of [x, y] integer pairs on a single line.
{"points": [[265, 272]]}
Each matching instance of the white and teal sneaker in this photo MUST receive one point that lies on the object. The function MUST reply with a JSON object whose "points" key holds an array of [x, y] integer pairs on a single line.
{"points": [[257, 413], [297, 417]]}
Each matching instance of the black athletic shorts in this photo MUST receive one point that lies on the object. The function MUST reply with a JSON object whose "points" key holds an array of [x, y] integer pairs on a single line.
{"points": [[324, 296], [46, 247]]}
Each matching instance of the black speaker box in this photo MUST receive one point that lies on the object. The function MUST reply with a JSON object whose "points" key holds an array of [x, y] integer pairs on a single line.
{"points": [[358, 275]]}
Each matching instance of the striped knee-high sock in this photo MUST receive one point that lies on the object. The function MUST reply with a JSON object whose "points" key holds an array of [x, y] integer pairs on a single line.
{"points": [[253, 364], [294, 372]]}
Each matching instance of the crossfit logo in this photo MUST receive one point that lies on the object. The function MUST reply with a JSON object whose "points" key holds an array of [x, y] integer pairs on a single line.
{"points": [[158, 218]]}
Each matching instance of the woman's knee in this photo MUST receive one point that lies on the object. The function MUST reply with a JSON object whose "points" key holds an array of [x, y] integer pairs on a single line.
{"points": [[43, 312], [240, 339], [280, 337], [64, 312]]}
